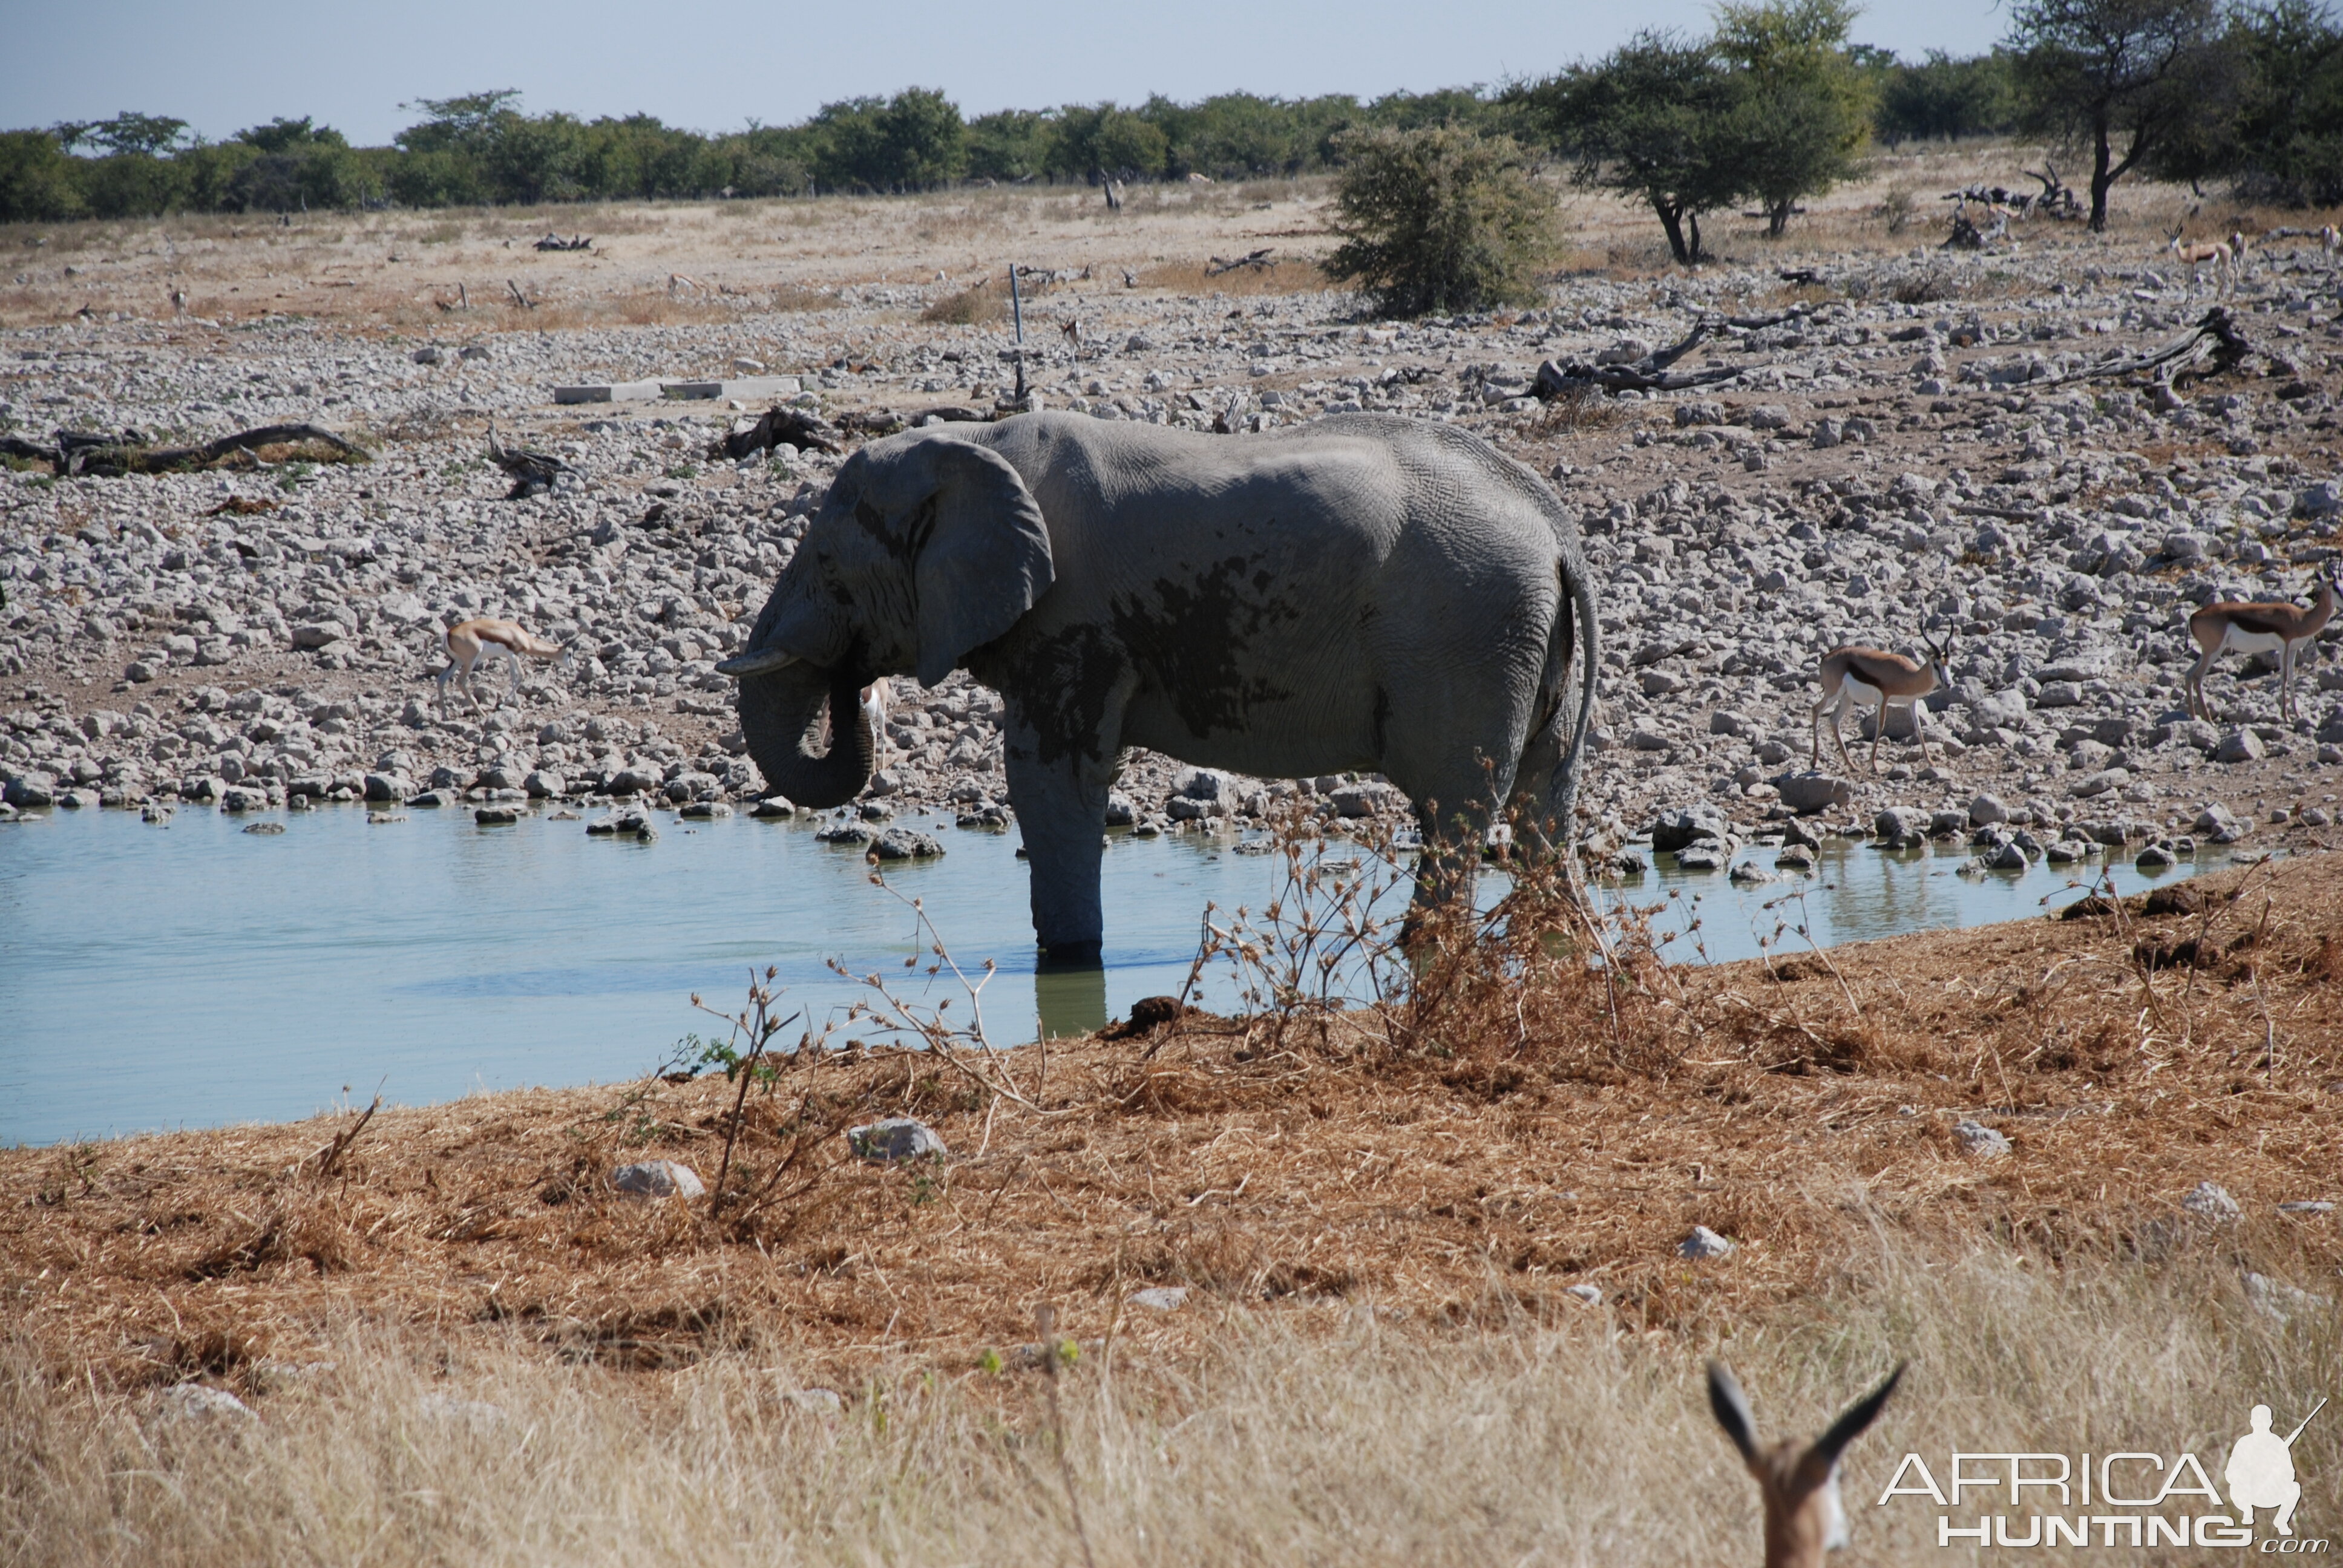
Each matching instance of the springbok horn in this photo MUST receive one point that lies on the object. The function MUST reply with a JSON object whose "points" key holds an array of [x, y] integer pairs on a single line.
{"points": [[758, 661]]}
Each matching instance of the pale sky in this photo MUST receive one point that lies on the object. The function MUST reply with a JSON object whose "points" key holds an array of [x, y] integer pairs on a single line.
{"points": [[715, 64]]}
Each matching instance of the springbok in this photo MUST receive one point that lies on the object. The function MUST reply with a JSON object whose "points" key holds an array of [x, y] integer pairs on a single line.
{"points": [[2194, 256], [1804, 1517], [2278, 627], [1871, 676], [472, 643]]}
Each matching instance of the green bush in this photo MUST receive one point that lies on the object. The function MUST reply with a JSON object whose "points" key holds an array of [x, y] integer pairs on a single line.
{"points": [[1439, 219], [37, 179]]}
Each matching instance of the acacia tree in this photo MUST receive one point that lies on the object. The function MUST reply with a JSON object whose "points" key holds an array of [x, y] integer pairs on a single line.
{"points": [[1650, 121], [1802, 108], [2104, 72]]}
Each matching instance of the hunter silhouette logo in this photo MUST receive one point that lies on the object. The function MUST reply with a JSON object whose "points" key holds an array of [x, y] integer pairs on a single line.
{"points": [[2128, 1498], [2260, 1472]]}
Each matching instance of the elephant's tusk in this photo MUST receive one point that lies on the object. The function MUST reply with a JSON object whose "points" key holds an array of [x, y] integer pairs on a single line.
{"points": [[756, 661]]}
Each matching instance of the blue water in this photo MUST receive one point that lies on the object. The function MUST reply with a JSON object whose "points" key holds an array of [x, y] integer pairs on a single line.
{"points": [[192, 974]]}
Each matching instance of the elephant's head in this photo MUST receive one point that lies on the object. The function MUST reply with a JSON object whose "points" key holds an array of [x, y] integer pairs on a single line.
{"points": [[927, 547]]}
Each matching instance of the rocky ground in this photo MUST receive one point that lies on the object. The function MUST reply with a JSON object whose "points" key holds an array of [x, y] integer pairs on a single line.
{"points": [[1899, 453]]}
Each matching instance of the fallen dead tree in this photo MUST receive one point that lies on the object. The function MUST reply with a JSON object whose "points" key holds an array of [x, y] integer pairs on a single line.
{"points": [[555, 242], [533, 473], [794, 426], [2215, 337], [1649, 374], [128, 452], [1260, 259]]}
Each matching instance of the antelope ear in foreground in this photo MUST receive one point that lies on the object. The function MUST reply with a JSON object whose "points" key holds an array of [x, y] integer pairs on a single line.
{"points": [[1804, 1518]]}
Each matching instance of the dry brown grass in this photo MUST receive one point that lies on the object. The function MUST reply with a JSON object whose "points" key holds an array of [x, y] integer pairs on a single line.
{"points": [[1329, 1434]]}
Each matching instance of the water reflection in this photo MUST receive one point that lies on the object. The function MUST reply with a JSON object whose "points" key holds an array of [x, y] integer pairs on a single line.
{"points": [[1071, 1000]]}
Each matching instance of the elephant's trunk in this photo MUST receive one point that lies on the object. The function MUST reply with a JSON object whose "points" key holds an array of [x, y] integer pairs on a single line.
{"points": [[779, 710]]}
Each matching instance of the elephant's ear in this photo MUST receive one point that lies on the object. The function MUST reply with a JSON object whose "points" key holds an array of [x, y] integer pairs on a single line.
{"points": [[984, 558]]}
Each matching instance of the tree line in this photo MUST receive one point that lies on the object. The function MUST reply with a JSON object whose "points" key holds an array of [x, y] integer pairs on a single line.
{"points": [[1775, 105]]}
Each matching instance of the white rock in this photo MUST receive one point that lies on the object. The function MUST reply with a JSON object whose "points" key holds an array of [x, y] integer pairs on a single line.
{"points": [[897, 1139], [1591, 1295], [657, 1179], [1702, 1243], [2211, 1201], [1980, 1141], [1160, 1298], [195, 1402]]}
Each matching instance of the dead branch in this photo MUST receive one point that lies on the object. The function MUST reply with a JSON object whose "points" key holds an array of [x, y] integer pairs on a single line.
{"points": [[533, 473], [112, 457], [794, 426], [2215, 336], [555, 242], [522, 300], [1258, 258], [1649, 374]]}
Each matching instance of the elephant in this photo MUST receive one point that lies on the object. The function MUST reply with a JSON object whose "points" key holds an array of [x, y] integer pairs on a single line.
{"points": [[1364, 592]]}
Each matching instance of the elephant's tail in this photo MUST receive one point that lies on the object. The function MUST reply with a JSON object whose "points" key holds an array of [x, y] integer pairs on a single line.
{"points": [[1583, 638]]}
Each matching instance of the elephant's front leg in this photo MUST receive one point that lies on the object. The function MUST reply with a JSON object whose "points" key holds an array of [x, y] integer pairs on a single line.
{"points": [[1061, 805], [1062, 737]]}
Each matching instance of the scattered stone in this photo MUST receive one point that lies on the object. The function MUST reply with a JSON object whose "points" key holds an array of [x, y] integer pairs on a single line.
{"points": [[196, 1402], [1899, 827], [2281, 1301], [2211, 1201], [657, 1179], [1979, 1141], [1796, 858], [1747, 871], [2155, 858], [904, 844], [2240, 745], [1160, 1298], [895, 1140], [495, 816], [1812, 792], [1675, 829], [267, 830], [1703, 1243], [1706, 855], [773, 808]]}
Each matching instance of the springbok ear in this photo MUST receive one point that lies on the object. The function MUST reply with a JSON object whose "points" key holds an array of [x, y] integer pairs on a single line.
{"points": [[1731, 1408], [979, 548], [1860, 1414]]}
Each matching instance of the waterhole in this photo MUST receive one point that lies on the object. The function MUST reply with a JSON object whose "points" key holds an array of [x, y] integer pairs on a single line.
{"points": [[192, 974]]}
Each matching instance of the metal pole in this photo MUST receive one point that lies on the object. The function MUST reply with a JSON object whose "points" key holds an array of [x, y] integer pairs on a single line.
{"points": [[1017, 315]]}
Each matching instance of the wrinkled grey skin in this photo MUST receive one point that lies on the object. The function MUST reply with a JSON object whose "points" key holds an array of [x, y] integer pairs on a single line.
{"points": [[1363, 592]]}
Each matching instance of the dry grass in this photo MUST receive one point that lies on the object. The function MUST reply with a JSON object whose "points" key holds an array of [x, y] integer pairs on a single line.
{"points": [[1297, 275], [1337, 1434], [979, 303]]}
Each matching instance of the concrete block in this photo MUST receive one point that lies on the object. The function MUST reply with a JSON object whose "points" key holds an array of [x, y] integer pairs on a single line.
{"points": [[608, 392], [744, 388]]}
